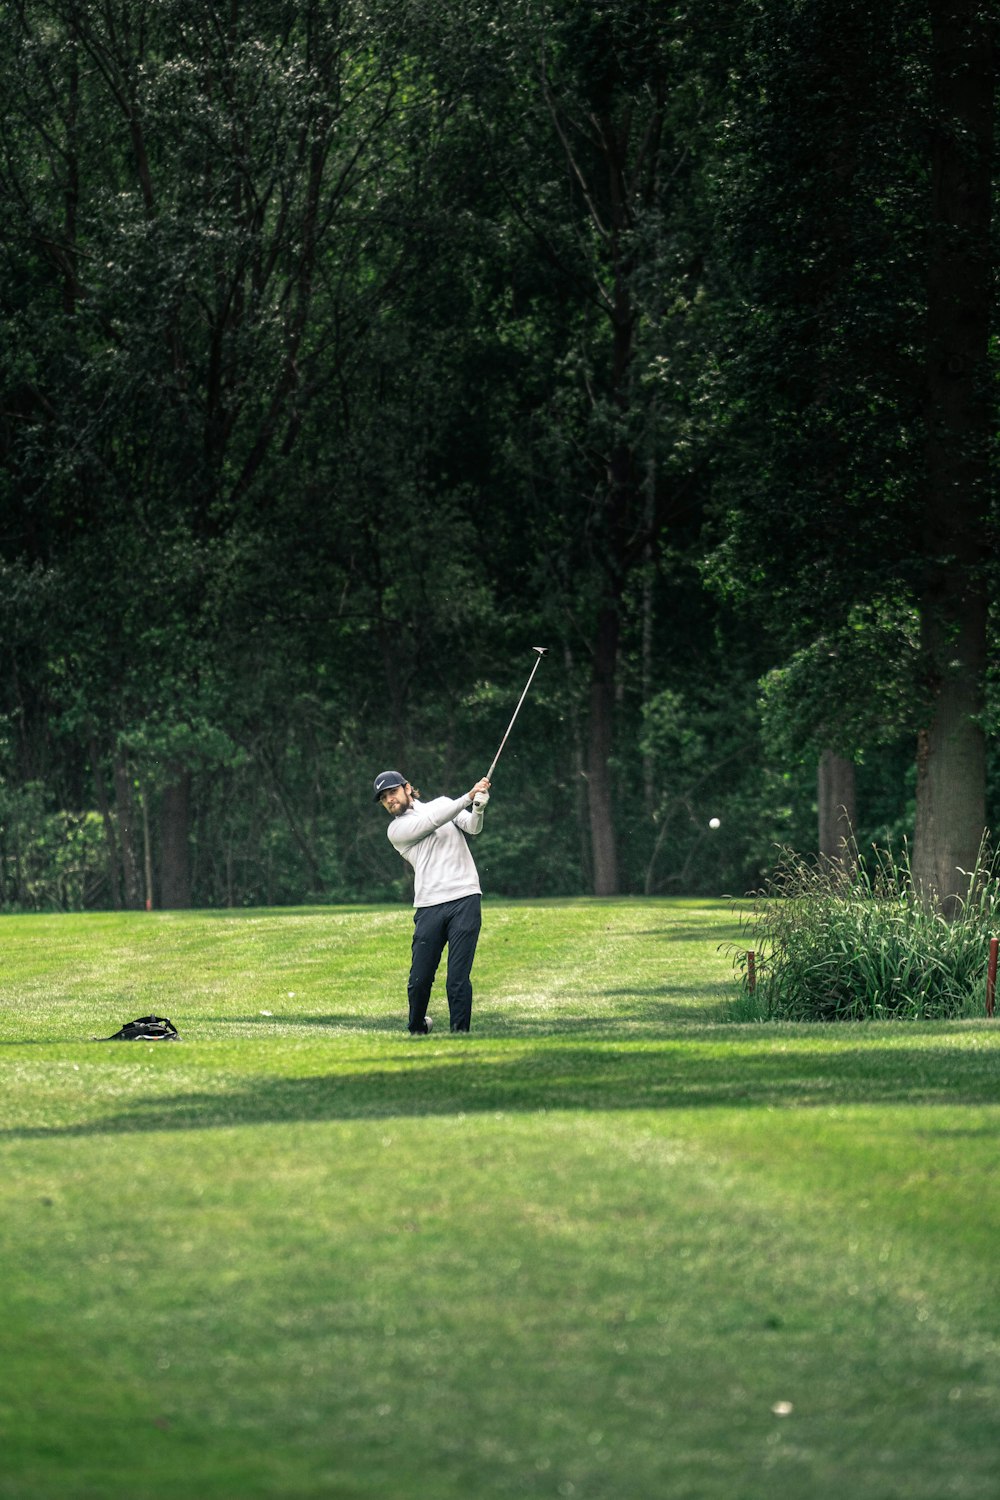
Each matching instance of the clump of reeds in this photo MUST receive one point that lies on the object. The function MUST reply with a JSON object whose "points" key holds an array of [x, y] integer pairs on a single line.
{"points": [[857, 940]]}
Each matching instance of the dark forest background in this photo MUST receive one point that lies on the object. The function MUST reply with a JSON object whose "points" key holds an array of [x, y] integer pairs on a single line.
{"points": [[352, 349]]}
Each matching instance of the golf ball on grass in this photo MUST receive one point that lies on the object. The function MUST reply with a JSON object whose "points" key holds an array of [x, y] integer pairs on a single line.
{"points": [[715, 822]]}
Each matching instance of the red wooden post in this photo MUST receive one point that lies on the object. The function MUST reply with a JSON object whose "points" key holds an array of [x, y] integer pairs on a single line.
{"points": [[991, 976], [751, 972]]}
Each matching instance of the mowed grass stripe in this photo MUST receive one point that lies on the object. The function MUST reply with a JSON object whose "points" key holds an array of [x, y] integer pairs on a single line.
{"points": [[83, 1088], [592, 962], [306, 1256], [604, 1293]]}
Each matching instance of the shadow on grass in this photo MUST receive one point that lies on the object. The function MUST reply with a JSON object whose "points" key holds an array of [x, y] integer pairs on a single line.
{"points": [[720, 933], [721, 987], [456, 1078], [493, 1022], [335, 1021]]}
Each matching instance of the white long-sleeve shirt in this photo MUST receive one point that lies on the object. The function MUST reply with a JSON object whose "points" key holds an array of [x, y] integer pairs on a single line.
{"points": [[428, 836]]}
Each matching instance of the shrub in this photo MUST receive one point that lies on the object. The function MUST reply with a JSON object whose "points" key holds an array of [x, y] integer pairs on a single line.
{"points": [[858, 941], [49, 860]]}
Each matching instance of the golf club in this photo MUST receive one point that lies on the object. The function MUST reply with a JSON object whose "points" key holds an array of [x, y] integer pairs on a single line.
{"points": [[540, 651]]}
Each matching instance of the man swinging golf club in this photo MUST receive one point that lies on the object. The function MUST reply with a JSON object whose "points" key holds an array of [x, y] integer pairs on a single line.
{"points": [[446, 890]]}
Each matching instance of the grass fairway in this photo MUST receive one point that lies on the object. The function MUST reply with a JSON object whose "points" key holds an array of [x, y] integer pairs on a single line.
{"points": [[610, 1246]]}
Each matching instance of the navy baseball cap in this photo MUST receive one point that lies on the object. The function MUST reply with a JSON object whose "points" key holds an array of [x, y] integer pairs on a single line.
{"points": [[385, 781]]}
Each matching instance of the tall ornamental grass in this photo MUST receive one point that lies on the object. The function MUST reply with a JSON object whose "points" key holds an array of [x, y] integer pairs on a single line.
{"points": [[859, 941]]}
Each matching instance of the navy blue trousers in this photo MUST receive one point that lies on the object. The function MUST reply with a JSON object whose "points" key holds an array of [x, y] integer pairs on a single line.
{"points": [[454, 924]]}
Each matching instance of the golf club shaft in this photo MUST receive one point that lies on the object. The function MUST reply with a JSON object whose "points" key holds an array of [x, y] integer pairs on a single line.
{"points": [[510, 726]]}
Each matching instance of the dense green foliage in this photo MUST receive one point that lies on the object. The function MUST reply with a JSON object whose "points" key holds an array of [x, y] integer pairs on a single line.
{"points": [[856, 941], [351, 350], [609, 1241]]}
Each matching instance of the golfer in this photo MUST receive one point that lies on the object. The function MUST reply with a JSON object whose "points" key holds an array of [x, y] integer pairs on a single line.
{"points": [[446, 890]]}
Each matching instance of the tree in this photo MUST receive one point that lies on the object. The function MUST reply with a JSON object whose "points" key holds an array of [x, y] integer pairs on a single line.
{"points": [[194, 202], [960, 426], [587, 118], [354, 349], [855, 472]]}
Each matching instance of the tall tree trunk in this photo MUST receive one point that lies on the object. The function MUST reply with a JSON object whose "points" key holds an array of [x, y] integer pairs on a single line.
{"points": [[625, 181], [580, 804], [951, 760], [127, 831], [175, 842], [601, 727], [147, 848], [649, 798], [836, 797], [111, 843]]}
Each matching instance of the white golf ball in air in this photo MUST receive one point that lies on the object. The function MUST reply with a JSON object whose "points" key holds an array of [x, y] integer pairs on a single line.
{"points": [[714, 822]]}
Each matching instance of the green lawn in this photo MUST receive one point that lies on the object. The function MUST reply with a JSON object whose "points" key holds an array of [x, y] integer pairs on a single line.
{"points": [[611, 1246]]}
